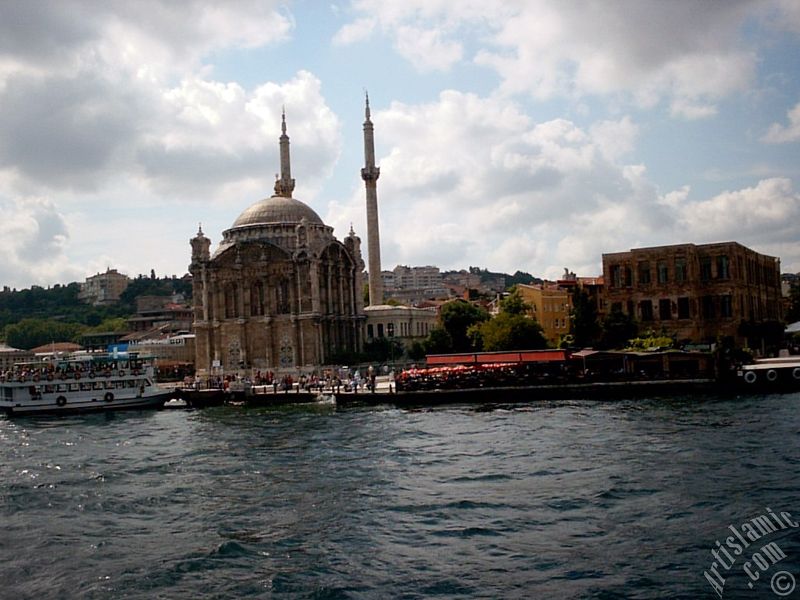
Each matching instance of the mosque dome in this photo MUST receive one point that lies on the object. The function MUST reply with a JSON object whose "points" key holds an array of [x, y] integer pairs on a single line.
{"points": [[277, 210]]}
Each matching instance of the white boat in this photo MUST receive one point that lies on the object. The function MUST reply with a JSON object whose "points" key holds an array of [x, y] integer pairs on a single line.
{"points": [[81, 383], [783, 372]]}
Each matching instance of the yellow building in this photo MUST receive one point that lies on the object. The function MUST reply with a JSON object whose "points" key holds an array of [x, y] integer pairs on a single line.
{"points": [[550, 306]]}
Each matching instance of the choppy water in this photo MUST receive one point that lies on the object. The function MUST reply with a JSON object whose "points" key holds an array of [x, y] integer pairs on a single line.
{"points": [[545, 500]]}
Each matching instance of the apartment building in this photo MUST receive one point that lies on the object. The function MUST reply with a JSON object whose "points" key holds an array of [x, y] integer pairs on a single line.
{"points": [[697, 292]]}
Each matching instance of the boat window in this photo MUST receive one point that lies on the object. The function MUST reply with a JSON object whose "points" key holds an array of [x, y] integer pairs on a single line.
{"points": [[85, 386], [97, 385], [73, 387], [49, 389]]}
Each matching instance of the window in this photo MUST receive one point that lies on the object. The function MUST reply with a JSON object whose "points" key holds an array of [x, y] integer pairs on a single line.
{"points": [[283, 297], [616, 276], [680, 270], [257, 299], [664, 309], [663, 274], [231, 300], [646, 308], [644, 273], [628, 277], [708, 307], [723, 267], [683, 308], [705, 268], [725, 306], [370, 331], [380, 330]]}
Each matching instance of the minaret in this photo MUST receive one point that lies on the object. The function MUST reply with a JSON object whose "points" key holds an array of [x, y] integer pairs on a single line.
{"points": [[370, 174], [285, 185]]}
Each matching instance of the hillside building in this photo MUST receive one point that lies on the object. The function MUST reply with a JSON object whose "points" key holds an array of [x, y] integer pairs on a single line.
{"points": [[103, 288]]}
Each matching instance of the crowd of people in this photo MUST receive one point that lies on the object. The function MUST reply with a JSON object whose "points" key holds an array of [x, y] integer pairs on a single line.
{"points": [[328, 380]]}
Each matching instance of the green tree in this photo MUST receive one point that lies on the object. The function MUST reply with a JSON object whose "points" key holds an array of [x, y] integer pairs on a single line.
{"points": [[30, 333], [110, 324], [457, 316], [514, 303], [618, 328], [509, 331], [585, 326], [438, 342], [383, 349], [416, 351]]}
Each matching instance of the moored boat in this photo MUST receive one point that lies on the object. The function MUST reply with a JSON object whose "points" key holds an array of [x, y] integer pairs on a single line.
{"points": [[81, 383], [769, 374]]}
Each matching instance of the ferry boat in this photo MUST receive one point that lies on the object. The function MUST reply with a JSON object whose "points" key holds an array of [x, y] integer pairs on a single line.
{"points": [[81, 383], [781, 373]]}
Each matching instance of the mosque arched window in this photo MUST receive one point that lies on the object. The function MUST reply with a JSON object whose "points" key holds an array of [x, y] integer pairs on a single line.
{"points": [[283, 297], [231, 301], [257, 299]]}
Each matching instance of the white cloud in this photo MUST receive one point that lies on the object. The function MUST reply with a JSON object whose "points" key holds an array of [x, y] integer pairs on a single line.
{"points": [[116, 106], [426, 33], [782, 134], [615, 138], [471, 180], [768, 211], [474, 179], [33, 242], [427, 49], [690, 54], [357, 31]]}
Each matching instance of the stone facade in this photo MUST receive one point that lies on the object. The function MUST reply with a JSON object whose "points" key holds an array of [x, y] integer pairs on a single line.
{"points": [[694, 292], [280, 292], [405, 324]]}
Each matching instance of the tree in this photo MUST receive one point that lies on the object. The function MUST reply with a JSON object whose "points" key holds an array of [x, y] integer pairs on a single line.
{"points": [[514, 303], [30, 333], [383, 349], [438, 342], [618, 328], [585, 327], [416, 351], [509, 331], [457, 316]]}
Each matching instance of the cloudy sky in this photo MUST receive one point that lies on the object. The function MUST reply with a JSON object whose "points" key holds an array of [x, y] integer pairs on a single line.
{"points": [[531, 135]]}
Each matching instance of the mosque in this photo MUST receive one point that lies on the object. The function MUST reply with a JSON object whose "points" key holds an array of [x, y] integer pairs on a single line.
{"points": [[280, 291]]}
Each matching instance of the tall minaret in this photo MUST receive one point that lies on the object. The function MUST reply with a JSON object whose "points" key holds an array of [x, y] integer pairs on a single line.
{"points": [[370, 174], [285, 185]]}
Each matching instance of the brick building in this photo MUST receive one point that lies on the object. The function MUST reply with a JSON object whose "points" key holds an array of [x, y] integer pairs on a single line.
{"points": [[694, 292]]}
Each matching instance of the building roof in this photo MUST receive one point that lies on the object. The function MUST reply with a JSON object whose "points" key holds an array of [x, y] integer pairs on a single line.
{"points": [[277, 210], [57, 347], [5, 348]]}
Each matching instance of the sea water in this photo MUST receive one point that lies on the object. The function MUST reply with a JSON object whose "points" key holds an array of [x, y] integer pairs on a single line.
{"points": [[568, 499]]}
